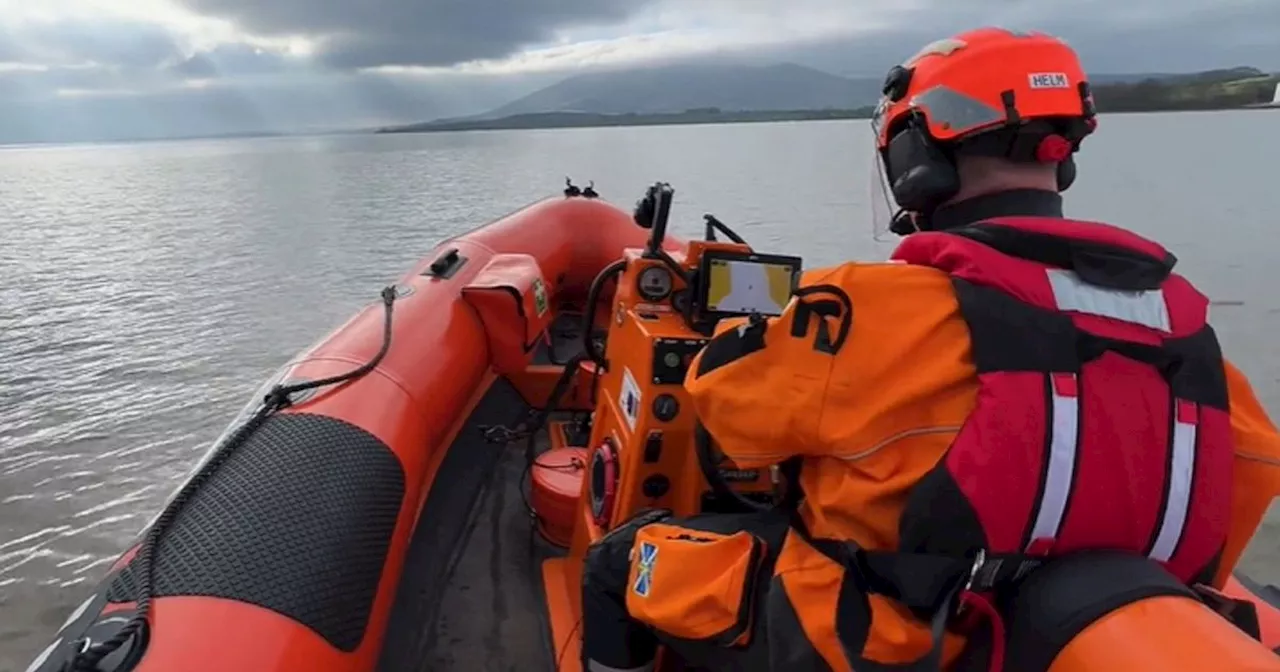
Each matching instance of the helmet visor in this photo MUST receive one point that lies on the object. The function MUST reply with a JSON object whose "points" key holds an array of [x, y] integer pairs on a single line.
{"points": [[883, 206]]}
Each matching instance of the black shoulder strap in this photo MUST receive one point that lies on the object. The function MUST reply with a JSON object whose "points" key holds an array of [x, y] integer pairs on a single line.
{"points": [[1098, 264], [930, 585]]}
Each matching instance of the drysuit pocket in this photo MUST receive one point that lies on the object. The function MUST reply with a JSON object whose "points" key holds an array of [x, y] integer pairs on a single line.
{"points": [[694, 584]]}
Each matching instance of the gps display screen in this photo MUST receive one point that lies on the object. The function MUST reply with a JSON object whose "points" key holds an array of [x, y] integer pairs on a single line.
{"points": [[741, 284]]}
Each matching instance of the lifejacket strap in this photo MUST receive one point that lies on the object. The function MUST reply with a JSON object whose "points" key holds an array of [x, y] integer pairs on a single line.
{"points": [[932, 583], [925, 581]]}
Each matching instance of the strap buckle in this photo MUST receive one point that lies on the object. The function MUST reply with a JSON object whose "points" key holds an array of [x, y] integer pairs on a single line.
{"points": [[979, 561], [959, 603]]}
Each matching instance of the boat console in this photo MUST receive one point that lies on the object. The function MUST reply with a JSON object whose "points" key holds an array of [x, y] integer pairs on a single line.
{"points": [[647, 448]]}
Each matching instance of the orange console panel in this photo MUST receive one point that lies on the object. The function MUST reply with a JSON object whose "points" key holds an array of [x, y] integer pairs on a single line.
{"points": [[643, 414], [646, 449]]}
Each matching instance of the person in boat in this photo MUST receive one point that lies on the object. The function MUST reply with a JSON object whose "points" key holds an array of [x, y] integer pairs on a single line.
{"points": [[990, 399]]}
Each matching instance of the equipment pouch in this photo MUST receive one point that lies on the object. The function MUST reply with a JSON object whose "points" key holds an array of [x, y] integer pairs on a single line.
{"points": [[694, 584]]}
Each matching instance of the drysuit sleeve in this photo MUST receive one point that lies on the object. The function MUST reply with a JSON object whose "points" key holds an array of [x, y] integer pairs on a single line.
{"points": [[759, 384], [1257, 468], [865, 355]]}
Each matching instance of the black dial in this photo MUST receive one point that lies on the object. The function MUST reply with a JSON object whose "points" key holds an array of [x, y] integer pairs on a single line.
{"points": [[665, 407], [654, 283], [680, 299]]}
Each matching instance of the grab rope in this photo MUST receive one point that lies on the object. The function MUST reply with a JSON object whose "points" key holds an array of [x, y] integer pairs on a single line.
{"points": [[89, 655]]}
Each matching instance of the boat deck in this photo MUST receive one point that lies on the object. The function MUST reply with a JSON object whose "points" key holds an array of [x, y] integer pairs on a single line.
{"points": [[480, 607], [492, 615]]}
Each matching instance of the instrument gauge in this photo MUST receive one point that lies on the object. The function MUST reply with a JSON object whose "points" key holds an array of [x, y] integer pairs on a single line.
{"points": [[654, 284], [680, 299]]}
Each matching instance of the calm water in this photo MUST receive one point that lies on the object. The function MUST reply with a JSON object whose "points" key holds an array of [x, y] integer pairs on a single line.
{"points": [[145, 290]]}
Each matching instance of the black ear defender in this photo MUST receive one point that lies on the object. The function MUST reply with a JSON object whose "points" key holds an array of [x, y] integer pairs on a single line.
{"points": [[1066, 173], [921, 174]]}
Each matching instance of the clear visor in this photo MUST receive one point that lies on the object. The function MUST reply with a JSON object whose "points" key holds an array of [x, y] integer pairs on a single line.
{"points": [[948, 109], [883, 207]]}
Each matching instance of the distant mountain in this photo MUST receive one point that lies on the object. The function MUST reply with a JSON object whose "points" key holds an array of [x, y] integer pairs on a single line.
{"points": [[786, 86], [704, 115], [725, 92], [671, 89]]}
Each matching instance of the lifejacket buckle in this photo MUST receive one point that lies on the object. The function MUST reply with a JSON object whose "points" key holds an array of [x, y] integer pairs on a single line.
{"points": [[979, 561], [960, 605]]}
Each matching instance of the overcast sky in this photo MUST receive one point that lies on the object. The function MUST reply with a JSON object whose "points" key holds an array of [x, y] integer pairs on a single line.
{"points": [[90, 68]]}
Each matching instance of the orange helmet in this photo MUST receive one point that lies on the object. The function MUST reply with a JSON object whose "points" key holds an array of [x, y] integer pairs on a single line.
{"points": [[1022, 96], [984, 79]]}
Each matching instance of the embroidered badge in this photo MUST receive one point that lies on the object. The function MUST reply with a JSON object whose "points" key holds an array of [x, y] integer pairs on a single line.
{"points": [[644, 574]]}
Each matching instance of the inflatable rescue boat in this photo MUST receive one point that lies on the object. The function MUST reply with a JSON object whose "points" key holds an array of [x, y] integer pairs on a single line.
{"points": [[417, 491]]}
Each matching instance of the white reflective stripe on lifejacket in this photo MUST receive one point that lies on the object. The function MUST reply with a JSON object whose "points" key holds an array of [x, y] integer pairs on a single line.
{"points": [[1064, 441], [1064, 444], [1147, 308], [1182, 468]]}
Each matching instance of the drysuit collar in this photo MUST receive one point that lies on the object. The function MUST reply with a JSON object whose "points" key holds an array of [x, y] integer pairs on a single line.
{"points": [[1012, 203]]}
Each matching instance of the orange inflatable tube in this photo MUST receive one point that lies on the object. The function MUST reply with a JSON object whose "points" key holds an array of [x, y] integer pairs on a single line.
{"points": [[289, 554], [1102, 610], [1265, 600], [1164, 633]]}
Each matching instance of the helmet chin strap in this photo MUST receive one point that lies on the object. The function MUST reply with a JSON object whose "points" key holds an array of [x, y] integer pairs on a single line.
{"points": [[906, 222]]}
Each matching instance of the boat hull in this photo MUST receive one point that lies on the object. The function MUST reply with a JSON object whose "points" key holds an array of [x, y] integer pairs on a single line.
{"points": [[291, 553]]}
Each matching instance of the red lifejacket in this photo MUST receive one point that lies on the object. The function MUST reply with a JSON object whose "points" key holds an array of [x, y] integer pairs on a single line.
{"points": [[1102, 416]]}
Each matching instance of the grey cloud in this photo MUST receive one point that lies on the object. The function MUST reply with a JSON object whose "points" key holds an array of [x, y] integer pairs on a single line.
{"points": [[24, 85], [1111, 37], [257, 91], [298, 102], [1188, 36], [233, 60], [416, 32], [1181, 34], [77, 41]]}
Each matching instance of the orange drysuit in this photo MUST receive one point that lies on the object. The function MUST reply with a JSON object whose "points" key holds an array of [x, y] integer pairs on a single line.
{"points": [[872, 419]]}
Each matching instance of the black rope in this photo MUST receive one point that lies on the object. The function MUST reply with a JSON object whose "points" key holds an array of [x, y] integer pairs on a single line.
{"points": [[87, 659]]}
